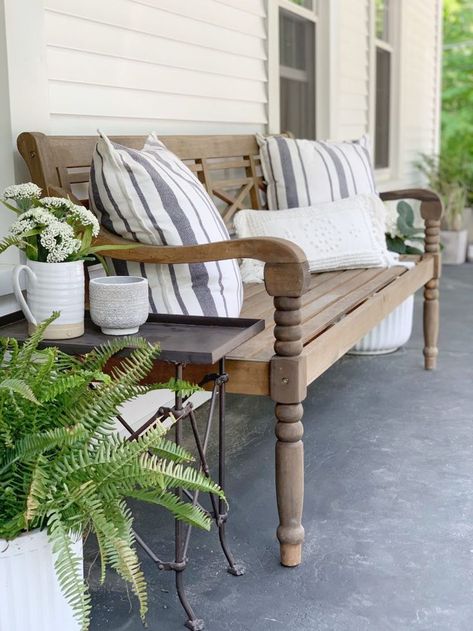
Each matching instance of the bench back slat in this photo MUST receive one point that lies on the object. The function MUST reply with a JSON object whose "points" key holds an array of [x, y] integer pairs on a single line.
{"points": [[227, 165]]}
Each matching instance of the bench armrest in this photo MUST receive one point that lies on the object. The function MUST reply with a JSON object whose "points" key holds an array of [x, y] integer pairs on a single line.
{"points": [[431, 210], [286, 270], [431, 204]]}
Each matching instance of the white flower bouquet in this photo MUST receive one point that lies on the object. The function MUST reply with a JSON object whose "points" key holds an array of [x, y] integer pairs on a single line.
{"points": [[50, 229]]}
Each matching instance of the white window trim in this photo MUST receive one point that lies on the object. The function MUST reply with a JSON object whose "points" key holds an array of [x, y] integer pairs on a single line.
{"points": [[391, 173], [325, 72]]}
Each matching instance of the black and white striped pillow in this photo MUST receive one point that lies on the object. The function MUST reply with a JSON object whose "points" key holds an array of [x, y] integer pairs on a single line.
{"points": [[150, 196], [301, 173]]}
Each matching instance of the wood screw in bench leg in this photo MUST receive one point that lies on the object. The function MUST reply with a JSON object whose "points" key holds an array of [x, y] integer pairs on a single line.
{"points": [[289, 429]]}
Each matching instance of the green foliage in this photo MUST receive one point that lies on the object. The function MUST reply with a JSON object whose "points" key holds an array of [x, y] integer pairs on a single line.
{"points": [[406, 231], [457, 91], [63, 467], [444, 176]]}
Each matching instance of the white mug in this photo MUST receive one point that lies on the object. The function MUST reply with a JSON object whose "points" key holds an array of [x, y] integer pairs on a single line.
{"points": [[52, 287]]}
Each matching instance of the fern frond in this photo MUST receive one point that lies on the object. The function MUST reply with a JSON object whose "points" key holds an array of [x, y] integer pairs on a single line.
{"points": [[178, 475], [32, 445], [97, 358], [8, 242], [69, 570], [180, 386], [37, 491], [184, 511], [119, 551], [19, 387], [30, 346], [66, 383], [169, 449]]}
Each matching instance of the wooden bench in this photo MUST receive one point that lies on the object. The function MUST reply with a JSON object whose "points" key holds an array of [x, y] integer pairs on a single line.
{"points": [[311, 320]]}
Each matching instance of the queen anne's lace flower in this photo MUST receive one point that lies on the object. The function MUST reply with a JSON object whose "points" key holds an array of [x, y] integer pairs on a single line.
{"points": [[21, 226], [86, 218], [56, 202], [19, 192], [58, 239], [81, 214], [40, 216]]}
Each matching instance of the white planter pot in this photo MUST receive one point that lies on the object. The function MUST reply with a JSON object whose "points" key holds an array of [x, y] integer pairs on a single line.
{"points": [[30, 596], [454, 246], [390, 334], [53, 287]]}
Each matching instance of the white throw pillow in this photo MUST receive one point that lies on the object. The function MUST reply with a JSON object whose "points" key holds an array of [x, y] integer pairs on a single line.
{"points": [[302, 173], [345, 234], [150, 196]]}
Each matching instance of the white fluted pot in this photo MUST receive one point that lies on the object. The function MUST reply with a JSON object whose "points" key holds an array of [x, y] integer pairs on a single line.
{"points": [[390, 334], [30, 596]]}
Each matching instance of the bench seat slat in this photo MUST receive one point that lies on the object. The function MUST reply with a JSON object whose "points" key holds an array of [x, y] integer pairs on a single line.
{"points": [[329, 301], [262, 303]]}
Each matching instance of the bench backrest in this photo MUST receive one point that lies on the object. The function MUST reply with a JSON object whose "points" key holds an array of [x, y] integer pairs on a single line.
{"points": [[228, 166]]}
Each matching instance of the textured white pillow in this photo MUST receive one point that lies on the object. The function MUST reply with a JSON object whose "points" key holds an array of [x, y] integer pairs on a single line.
{"points": [[150, 196], [345, 234]]}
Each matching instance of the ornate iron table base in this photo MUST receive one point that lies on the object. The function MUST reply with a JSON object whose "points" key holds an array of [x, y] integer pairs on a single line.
{"points": [[183, 411]]}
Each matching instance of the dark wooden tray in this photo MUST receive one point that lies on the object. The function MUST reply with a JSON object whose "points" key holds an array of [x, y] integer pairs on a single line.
{"points": [[184, 339]]}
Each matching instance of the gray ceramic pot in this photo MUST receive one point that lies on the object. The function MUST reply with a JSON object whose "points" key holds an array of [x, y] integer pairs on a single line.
{"points": [[119, 304]]}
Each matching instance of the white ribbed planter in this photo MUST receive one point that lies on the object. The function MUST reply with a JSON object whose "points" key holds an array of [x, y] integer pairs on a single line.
{"points": [[30, 596], [390, 334]]}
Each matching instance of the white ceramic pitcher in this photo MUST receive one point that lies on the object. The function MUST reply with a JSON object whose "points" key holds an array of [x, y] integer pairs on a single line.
{"points": [[52, 287]]}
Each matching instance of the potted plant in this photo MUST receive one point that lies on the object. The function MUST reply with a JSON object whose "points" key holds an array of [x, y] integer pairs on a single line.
{"points": [[56, 236], [402, 237], [65, 472], [445, 175]]}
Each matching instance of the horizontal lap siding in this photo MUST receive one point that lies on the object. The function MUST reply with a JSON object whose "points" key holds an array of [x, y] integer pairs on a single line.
{"points": [[353, 81], [419, 84], [171, 65]]}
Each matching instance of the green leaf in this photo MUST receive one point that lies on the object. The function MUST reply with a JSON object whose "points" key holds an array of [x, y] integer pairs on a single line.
{"points": [[406, 211], [395, 244]]}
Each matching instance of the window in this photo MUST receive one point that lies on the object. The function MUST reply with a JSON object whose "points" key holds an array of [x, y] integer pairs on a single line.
{"points": [[297, 68], [383, 74]]}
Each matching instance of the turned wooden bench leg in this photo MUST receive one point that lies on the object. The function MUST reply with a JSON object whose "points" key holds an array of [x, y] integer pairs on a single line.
{"points": [[288, 389], [290, 482], [431, 294], [287, 282], [431, 323]]}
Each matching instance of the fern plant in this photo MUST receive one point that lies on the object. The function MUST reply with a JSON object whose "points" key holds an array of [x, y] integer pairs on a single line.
{"points": [[63, 468]]}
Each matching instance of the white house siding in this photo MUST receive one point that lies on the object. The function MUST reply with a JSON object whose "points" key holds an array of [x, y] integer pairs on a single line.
{"points": [[415, 112], [353, 81], [420, 72], [171, 65]]}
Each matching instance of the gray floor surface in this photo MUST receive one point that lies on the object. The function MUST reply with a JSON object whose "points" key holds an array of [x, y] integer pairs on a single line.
{"points": [[388, 510]]}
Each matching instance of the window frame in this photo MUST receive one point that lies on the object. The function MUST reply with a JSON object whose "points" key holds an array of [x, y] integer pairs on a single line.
{"points": [[273, 64], [392, 46]]}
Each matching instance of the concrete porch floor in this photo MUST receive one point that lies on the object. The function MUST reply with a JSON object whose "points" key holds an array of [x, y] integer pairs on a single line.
{"points": [[388, 509]]}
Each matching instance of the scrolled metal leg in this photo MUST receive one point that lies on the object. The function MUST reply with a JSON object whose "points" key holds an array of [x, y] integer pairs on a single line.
{"points": [[180, 556], [234, 568]]}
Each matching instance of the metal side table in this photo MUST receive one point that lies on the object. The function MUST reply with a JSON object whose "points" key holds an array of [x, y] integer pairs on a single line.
{"points": [[184, 340]]}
